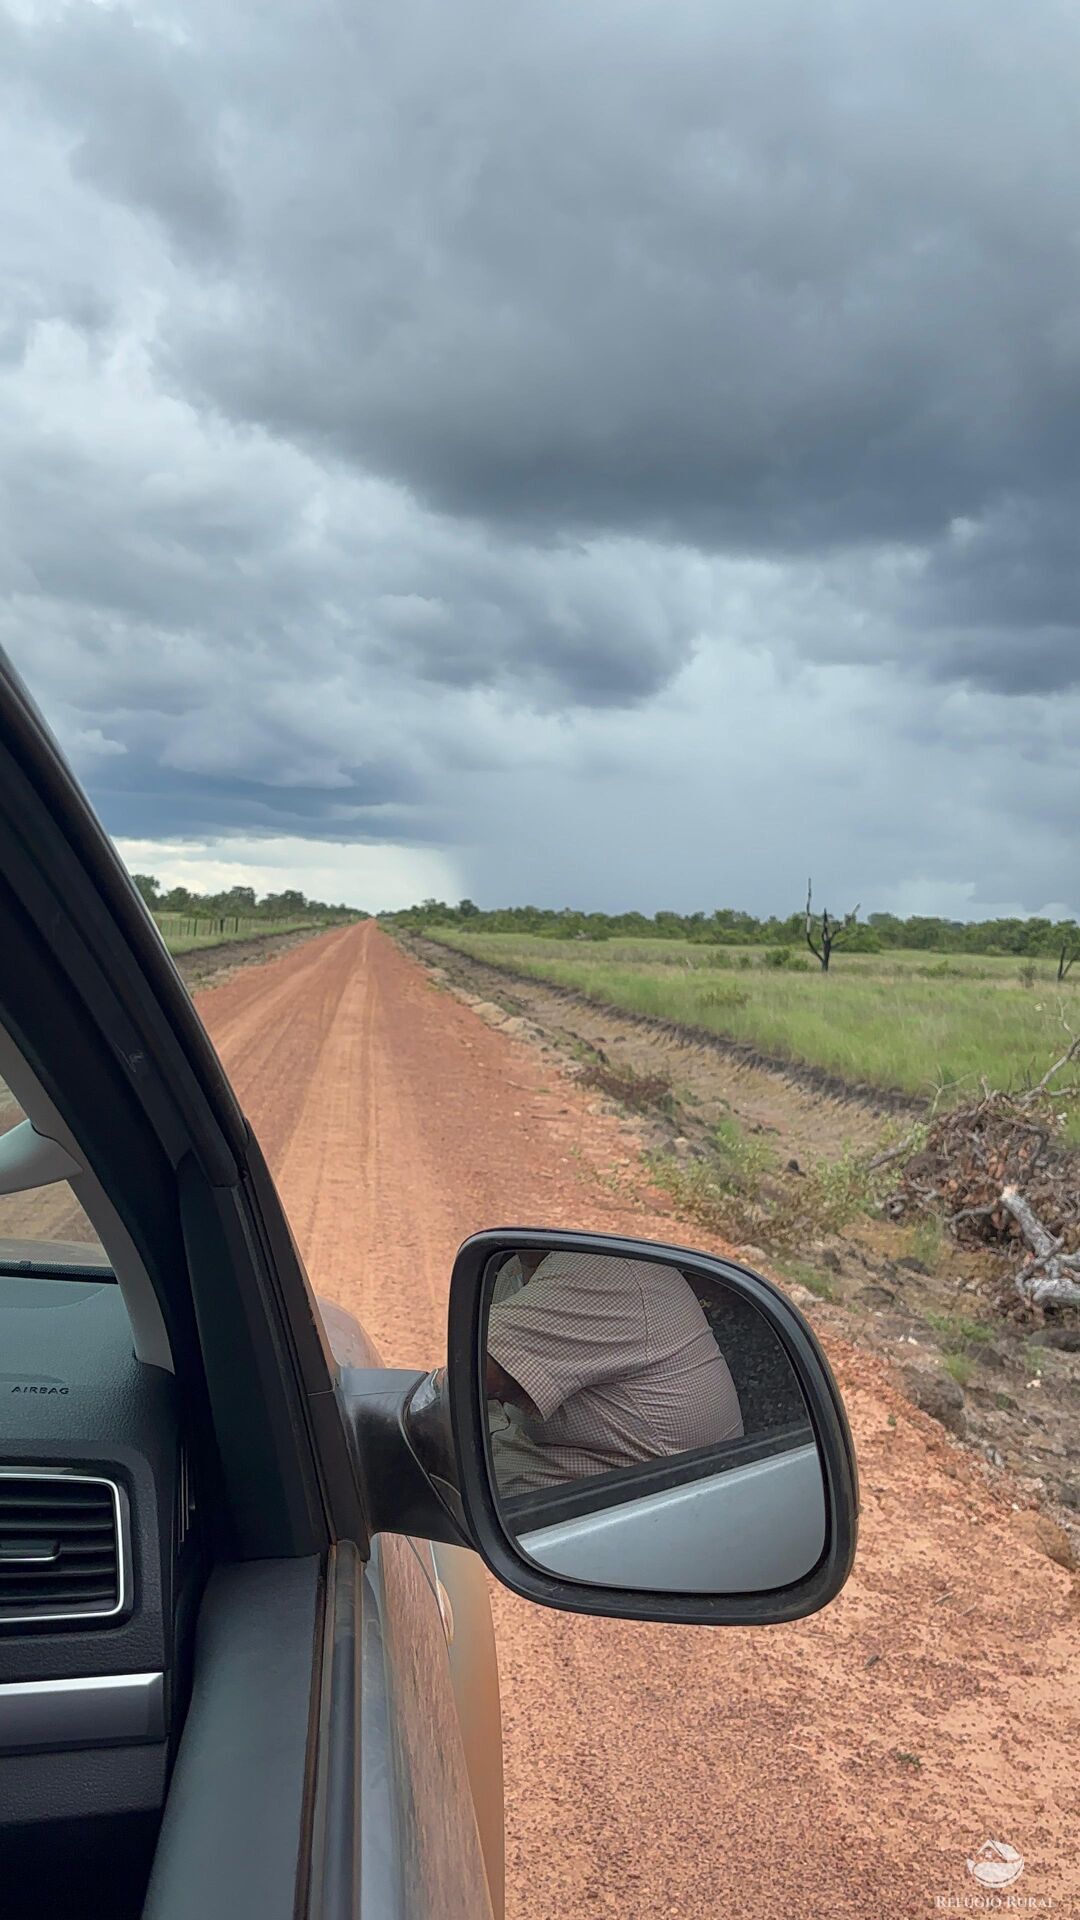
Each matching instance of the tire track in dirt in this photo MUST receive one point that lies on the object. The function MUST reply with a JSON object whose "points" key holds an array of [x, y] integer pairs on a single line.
{"points": [[845, 1765], [262, 1053]]}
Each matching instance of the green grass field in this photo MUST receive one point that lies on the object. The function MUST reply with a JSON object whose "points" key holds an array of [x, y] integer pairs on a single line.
{"points": [[183, 933], [913, 1022]]}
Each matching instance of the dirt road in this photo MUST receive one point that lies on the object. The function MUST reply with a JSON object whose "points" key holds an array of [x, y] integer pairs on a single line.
{"points": [[844, 1766]]}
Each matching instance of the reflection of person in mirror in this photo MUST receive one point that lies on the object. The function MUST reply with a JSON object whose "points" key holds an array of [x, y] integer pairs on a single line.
{"points": [[598, 1362]]}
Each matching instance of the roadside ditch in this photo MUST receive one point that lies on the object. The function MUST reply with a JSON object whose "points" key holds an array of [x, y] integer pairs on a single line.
{"points": [[774, 1160]]}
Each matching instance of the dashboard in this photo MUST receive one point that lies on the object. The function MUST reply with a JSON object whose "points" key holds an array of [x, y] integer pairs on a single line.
{"points": [[98, 1576]]}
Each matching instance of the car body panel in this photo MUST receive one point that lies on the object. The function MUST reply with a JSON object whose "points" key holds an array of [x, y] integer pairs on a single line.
{"points": [[439, 1855], [455, 1585], [474, 1675], [323, 1767]]}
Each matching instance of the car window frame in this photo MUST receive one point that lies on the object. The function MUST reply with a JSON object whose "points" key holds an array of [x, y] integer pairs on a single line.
{"points": [[95, 1006]]}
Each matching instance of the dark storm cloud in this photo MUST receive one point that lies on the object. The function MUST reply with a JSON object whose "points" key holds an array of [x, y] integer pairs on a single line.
{"points": [[417, 402], [235, 639], [131, 99], [1004, 596], [760, 281], [138, 798], [251, 550], [993, 603]]}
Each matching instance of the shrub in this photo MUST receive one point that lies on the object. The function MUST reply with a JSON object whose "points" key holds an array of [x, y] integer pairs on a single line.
{"points": [[743, 1159], [959, 1367], [831, 1195], [926, 1241], [704, 1192], [958, 1335]]}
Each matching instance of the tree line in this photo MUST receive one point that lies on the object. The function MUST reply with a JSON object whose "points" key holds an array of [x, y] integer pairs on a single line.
{"points": [[730, 926], [241, 903]]}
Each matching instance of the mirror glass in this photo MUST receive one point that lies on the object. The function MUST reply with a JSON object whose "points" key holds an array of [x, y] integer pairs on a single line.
{"points": [[647, 1429]]}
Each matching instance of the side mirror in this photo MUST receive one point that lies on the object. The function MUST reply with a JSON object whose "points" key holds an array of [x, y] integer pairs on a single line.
{"points": [[646, 1432]]}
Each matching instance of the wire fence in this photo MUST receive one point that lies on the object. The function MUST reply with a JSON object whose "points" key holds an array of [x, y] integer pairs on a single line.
{"points": [[222, 926]]}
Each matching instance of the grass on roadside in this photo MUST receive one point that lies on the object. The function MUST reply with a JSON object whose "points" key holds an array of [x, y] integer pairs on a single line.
{"points": [[701, 1194], [809, 1277], [959, 1367], [735, 1190], [913, 1023], [958, 1335], [926, 1242]]}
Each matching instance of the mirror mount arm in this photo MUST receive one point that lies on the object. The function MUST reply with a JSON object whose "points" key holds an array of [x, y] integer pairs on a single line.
{"points": [[399, 1430]]}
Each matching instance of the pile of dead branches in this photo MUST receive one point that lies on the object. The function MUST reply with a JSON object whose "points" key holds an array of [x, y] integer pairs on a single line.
{"points": [[997, 1173]]}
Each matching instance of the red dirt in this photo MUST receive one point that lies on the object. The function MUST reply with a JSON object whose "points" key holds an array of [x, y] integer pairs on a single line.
{"points": [[846, 1765]]}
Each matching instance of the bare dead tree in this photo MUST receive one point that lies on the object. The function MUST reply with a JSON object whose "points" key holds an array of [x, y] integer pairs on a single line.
{"points": [[1066, 958], [999, 1174], [831, 933], [1049, 1274]]}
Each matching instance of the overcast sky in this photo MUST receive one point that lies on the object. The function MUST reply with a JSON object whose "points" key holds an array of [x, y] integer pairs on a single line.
{"points": [[624, 453]]}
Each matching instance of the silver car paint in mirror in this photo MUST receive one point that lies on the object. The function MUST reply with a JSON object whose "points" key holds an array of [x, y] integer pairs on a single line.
{"points": [[647, 1429]]}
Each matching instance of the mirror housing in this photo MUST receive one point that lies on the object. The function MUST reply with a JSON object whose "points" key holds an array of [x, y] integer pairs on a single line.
{"points": [[424, 1466], [480, 1506]]}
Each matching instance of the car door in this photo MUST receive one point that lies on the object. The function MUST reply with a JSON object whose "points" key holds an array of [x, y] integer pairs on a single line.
{"points": [[307, 1755]]}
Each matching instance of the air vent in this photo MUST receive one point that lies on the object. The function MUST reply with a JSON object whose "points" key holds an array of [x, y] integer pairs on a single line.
{"points": [[61, 1552]]}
